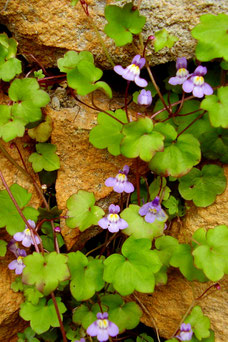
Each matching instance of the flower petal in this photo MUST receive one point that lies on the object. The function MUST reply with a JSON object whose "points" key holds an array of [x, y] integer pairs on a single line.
{"points": [[113, 329], [119, 69], [181, 63], [110, 181], [19, 236], [126, 169], [150, 218], [93, 329], [12, 265], [136, 59], [141, 82], [188, 86], [103, 223], [200, 70], [198, 91], [144, 209], [122, 224], [102, 335], [128, 187], [207, 89]]}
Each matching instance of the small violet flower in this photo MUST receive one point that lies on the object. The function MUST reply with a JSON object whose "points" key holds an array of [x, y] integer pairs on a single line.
{"points": [[152, 211], [18, 264], [144, 98], [196, 83], [102, 328], [13, 247], [185, 332], [112, 221], [25, 236], [120, 183], [182, 73], [132, 71]]}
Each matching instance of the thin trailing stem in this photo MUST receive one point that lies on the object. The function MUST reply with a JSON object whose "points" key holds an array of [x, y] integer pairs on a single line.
{"points": [[137, 181], [157, 89], [20, 212], [59, 317], [192, 305], [149, 315], [199, 117], [172, 105], [104, 111], [125, 100]]}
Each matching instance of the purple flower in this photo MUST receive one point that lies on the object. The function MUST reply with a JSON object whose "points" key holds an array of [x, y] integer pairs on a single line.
{"points": [[18, 264], [112, 221], [132, 71], [25, 236], [152, 211], [185, 332], [196, 84], [13, 247], [182, 73], [145, 98], [120, 182], [102, 328]]}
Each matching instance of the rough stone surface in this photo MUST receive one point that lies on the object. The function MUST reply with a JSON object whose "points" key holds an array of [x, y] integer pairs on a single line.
{"points": [[48, 28], [82, 165], [168, 303]]}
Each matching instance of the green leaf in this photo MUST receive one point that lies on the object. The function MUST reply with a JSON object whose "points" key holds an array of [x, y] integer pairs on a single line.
{"points": [[82, 211], [134, 270], [45, 158], [47, 239], [74, 2], [52, 213], [32, 295], [82, 73], [10, 129], [140, 140], [179, 156], [203, 186], [3, 248], [174, 207], [108, 131], [162, 39], [214, 144], [42, 315], [10, 69], [9, 216], [144, 338], [158, 186], [212, 37], [200, 324], [42, 132], [45, 271], [212, 255], [166, 246], [124, 315], [27, 336], [123, 23], [28, 98], [217, 107], [138, 227], [183, 259], [159, 105], [84, 316], [86, 275]]}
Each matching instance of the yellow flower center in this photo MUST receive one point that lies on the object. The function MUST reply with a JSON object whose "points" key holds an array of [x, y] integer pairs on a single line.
{"points": [[134, 69], [198, 80], [20, 260], [153, 210], [121, 177], [27, 232], [182, 72], [113, 217], [102, 323]]}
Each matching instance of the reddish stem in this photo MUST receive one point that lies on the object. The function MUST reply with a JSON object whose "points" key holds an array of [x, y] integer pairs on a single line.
{"points": [[199, 117], [59, 317], [125, 100]]}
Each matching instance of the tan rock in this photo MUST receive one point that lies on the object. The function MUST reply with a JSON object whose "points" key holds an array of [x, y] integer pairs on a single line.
{"points": [[46, 28], [168, 303]]}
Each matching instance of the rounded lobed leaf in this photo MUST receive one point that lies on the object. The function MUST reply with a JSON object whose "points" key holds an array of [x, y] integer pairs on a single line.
{"points": [[203, 186], [45, 158]]}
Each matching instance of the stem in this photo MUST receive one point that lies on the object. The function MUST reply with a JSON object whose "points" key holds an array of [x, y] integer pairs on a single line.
{"points": [[40, 64], [19, 152], [59, 317], [86, 10], [137, 181], [27, 174], [104, 111], [199, 117], [149, 315], [172, 105], [158, 90], [125, 100], [20, 212]]}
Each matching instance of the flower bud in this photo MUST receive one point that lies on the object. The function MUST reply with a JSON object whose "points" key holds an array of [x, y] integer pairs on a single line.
{"points": [[144, 98]]}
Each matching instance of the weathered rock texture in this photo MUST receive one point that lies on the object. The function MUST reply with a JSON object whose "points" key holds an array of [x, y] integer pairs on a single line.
{"points": [[83, 167], [168, 303], [48, 28]]}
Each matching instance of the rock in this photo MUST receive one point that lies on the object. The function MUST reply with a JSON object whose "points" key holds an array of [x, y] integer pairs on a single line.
{"points": [[82, 165], [48, 29], [168, 303]]}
